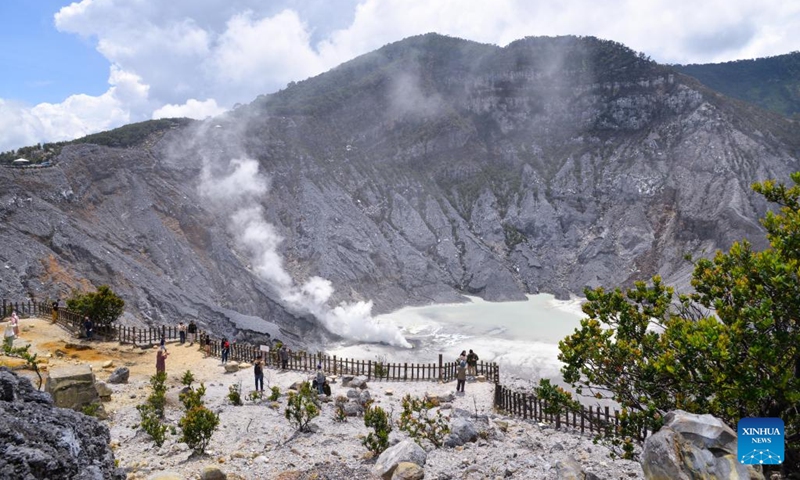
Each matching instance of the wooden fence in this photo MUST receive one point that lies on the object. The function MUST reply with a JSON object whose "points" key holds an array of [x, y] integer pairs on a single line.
{"points": [[592, 420], [304, 361]]}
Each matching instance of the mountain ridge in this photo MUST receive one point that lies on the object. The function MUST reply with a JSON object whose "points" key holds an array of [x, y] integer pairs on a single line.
{"points": [[406, 179]]}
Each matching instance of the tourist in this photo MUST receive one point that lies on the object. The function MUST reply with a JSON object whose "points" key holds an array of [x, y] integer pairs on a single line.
{"points": [[207, 345], [283, 353], [226, 349], [462, 357], [15, 322], [8, 335], [182, 332], [88, 327], [472, 363], [162, 344], [161, 357], [461, 375], [258, 370], [192, 329], [54, 311], [319, 380]]}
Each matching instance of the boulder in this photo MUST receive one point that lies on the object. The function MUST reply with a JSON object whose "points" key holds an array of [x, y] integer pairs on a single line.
{"points": [[405, 451], [120, 375], [692, 446], [346, 379], [231, 367], [358, 382], [463, 429], [212, 473], [364, 397], [408, 471], [353, 394], [296, 386], [40, 441], [352, 409], [108, 364], [103, 391], [569, 469], [72, 386]]}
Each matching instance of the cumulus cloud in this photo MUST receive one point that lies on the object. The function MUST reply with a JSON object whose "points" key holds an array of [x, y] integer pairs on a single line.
{"points": [[231, 51]]}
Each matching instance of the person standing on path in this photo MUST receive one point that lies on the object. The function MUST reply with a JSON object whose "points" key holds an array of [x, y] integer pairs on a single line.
{"points": [[472, 364], [192, 329], [283, 353], [15, 322], [54, 311], [461, 375], [207, 345], [319, 380], [88, 326], [258, 370], [226, 349], [182, 332], [161, 360]]}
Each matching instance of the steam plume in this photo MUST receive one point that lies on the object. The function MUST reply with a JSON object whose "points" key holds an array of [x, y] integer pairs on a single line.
{"points": [[239, 192]]}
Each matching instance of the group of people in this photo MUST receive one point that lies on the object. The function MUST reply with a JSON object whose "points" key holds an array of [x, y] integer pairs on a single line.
{"points": [[466, 364], [190, 329]]}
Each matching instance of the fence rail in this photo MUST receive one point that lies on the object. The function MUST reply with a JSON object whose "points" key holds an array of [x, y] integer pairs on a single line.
{"points": [[243, 352], [592, 420]]}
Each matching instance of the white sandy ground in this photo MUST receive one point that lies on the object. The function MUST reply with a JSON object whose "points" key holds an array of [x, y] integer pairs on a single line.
{"points": [[255, 441]]}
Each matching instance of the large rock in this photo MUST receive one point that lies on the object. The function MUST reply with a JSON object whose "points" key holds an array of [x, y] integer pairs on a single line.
{"points": [[358, 382], [408, 471], [40, 441], [569, 469], [405, 451], [464, 429], [212, 473], [72, 386], [692, 446], [120, 375]]}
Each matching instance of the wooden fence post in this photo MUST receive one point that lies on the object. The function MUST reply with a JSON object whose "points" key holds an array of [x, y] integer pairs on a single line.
{"points": [[440, 367]]}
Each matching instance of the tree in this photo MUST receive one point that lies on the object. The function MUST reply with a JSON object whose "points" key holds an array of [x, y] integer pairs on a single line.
{"points": [[731, 348], [102, 306]]}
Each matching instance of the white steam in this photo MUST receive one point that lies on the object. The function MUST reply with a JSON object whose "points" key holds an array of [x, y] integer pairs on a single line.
{"points": [[239, 192]]}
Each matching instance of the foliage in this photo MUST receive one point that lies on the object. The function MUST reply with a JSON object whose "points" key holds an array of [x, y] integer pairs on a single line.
{"points": [[254, 396], [134, 133], [275, 393], [198, 425], [102, 306], [729, 349], [188, 378], [158, 397], [151, 423], [301, 407], [91, 409], [381, 368], [418, 421], [235, 394], [25, 354], [193, 397], [556, 400], [380, 422], [339, 413]]}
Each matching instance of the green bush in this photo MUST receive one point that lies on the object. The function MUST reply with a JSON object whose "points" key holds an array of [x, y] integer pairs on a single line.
{"points": [[30, 358], [102, 306], [419, 423], [556, 400], [275, 394], [235, 394], [91, 409], [151, 424], [198, 425], [158, 397], [378, 440], [188, 378], [301, 407], [193, 398]]}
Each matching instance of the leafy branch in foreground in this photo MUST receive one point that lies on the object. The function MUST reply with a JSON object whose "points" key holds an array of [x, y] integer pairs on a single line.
{"points": [[25, 354], [731, 348]]}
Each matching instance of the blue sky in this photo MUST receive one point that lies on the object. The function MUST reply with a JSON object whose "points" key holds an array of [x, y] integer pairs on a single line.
{"points": [[70, 69]]}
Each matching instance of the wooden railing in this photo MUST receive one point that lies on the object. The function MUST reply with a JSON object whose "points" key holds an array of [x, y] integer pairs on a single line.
{"points": [[591, 420], [243, 352]]}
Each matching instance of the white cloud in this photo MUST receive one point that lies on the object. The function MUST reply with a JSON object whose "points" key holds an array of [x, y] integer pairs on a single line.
{"points": [[230, 51], [191, 109]]}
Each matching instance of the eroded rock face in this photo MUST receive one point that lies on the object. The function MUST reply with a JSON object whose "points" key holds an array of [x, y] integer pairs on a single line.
{"points": [[41, 441]]}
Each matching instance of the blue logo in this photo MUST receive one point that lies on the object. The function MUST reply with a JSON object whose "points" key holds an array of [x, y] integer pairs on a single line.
{"points": [[761, 441]]}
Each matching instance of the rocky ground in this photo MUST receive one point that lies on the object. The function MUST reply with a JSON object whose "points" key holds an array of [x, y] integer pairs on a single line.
{"points": [[255, 441]]}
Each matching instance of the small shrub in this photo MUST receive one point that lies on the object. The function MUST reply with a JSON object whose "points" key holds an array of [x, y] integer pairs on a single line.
{"points": [[151, 424], [25, 354], [381, 368], [158, 397], [378, 440], [339, 413], [556, 400], [254, 396], [275, 394], [417, 420], [188, 378], [193, 398], [198, 426], [301, 407], [91, 409], [235, 394]]}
